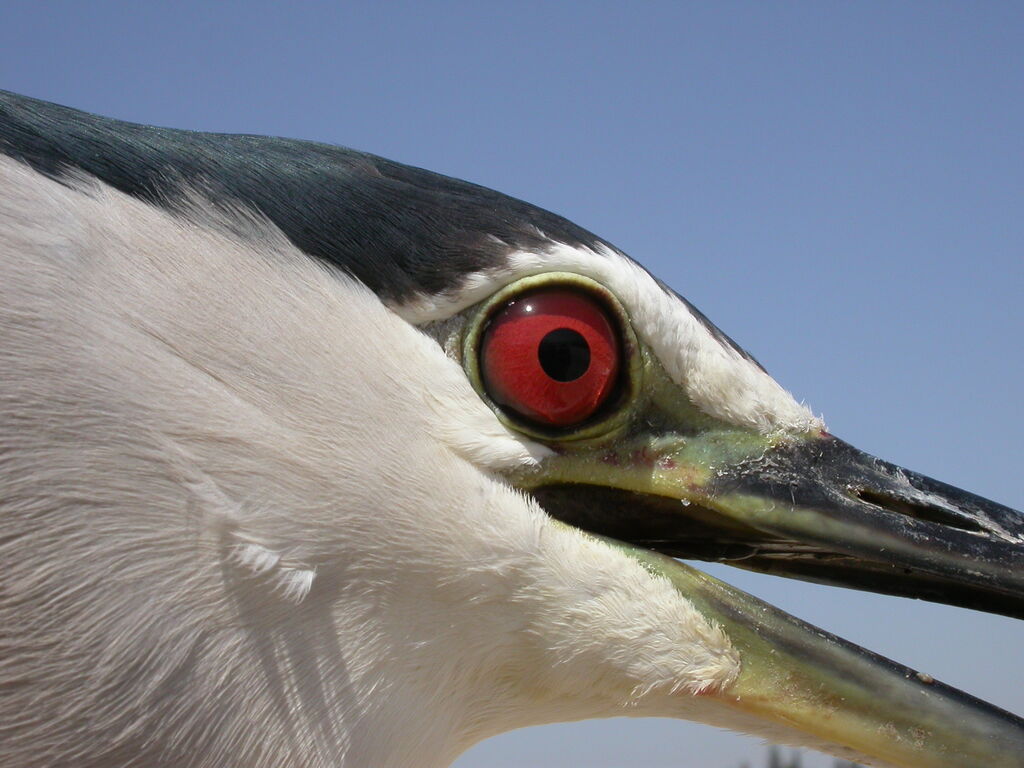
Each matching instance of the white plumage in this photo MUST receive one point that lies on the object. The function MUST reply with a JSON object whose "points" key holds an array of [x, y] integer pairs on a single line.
{"points": [[150, 459]]}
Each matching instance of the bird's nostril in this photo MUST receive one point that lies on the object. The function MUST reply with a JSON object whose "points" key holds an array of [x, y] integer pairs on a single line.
{"points": [[927, 512]]}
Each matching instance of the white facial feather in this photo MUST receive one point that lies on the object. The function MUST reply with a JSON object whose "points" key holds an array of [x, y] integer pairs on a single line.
{"points": [[250, 516], [718, 380]]}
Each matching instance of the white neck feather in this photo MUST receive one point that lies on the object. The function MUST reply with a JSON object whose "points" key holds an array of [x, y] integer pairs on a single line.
{"points": [[250, 517]]}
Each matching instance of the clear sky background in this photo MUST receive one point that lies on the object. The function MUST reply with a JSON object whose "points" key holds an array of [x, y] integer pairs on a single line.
{"points": [[840, 186]]}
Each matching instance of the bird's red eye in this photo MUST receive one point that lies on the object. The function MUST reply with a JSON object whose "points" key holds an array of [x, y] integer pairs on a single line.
{"points": [[552, 356]]}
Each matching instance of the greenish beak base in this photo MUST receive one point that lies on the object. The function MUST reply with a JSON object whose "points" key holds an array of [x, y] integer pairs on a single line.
{"points": [[800, 677]]}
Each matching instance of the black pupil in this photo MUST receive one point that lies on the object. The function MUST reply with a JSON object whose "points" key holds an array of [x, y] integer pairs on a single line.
{"points": [[564, 354]]}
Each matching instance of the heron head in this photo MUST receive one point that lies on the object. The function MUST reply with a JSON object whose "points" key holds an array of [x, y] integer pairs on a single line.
{"points": [[313, 458]]}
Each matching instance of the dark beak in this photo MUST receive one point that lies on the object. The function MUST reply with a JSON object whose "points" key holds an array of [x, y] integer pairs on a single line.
{"points": [[843, 517], [811, 507]]}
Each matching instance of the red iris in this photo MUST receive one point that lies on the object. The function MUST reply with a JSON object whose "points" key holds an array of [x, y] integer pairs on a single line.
{"points": [[551, 356]]}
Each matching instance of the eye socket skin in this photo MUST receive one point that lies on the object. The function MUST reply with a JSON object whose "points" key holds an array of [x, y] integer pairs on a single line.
{"points": [[551, 356]]}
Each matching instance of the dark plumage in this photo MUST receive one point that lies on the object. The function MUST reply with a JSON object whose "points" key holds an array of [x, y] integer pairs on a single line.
{"points": [[398, 229]]}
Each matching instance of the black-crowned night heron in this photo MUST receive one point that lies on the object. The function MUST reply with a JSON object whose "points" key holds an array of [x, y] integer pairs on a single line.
{"points": [[308, 458]]}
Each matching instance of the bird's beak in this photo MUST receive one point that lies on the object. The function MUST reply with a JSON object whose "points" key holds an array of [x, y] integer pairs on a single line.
{"points": [[812, 507]]}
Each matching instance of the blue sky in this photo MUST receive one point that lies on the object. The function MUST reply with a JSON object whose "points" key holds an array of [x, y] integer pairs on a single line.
{"points": [[837, 185]]}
